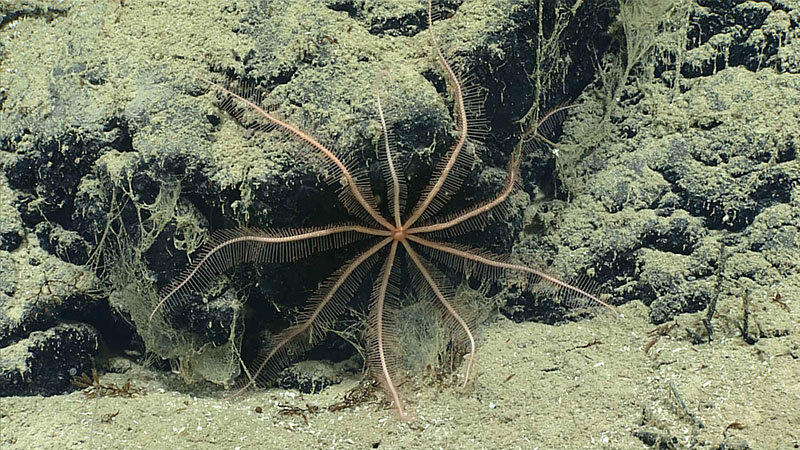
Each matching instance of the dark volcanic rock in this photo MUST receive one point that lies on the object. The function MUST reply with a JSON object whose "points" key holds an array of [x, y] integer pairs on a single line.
{"points": [[46, 361]]}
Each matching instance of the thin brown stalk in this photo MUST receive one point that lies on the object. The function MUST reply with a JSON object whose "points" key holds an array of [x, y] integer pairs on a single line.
{"points": [[310, 140], [461, 125], [451, 310], [480, 259]]}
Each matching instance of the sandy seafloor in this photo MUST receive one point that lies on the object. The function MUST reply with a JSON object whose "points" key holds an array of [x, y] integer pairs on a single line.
{"points": [[583, 385], [592, 384]]}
